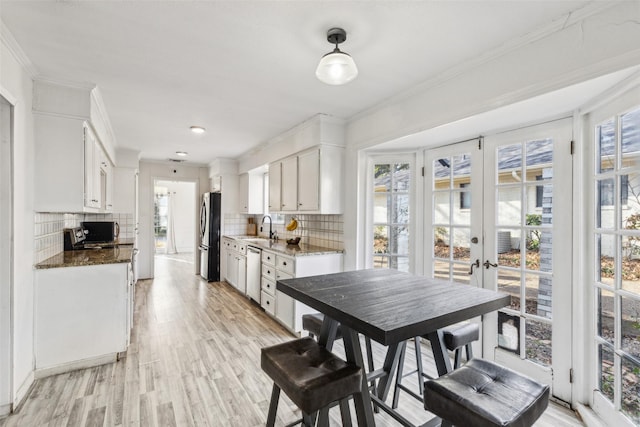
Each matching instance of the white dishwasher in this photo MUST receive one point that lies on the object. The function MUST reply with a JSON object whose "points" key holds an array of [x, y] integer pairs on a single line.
{"points": [[253, 273]]}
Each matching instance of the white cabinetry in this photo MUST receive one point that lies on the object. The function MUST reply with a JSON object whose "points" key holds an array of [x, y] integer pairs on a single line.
{"points": [[73, 151], [275, 181], [83, 315], [236, 271], [309, 182], [275, 266], [251, 193]]}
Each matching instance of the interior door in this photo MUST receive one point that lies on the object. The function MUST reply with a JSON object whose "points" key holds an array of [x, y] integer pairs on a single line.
{"points": [[499, 216]]}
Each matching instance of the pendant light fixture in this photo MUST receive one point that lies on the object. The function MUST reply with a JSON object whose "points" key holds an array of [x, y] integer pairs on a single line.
{"points": [[337, 67]]}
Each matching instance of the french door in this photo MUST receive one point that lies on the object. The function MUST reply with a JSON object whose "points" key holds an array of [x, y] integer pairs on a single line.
{"points": [[500, 215]]}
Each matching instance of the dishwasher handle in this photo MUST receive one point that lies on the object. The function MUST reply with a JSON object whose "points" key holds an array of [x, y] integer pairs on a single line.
{"points": [[254, 250]]}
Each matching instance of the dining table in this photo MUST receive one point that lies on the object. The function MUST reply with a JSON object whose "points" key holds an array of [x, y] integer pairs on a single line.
{"points": [[390, 307]]}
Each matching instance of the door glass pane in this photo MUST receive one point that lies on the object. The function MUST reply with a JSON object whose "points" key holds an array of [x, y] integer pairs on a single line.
{"points": [[631, 264], [539, 157], [509, 283], [382, 178], [442, 174], [538, 293], [380, 261], [401, 177], [441, 208], [607, 379], [461, 273], [538, 342], [509, 163], [509, 206], [606, 146], [380, 239], [606, 250], [604, 301], [441, 242], [461, 207], [441, 270], [630, 326], [461, 244], [605, 195], [399, 241], [508, 246], [631, 389], [381, 206], [400, 214], [630, 136]]}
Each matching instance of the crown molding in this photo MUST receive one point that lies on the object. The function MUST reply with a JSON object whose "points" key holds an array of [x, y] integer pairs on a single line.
{"points": [[8, 40]]}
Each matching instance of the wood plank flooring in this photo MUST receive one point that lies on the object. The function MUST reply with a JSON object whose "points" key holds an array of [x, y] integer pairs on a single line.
{"points": [[194, 360]]}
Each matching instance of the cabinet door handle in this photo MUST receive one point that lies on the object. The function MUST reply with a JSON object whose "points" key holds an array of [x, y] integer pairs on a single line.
{"points": [[284, 262]]}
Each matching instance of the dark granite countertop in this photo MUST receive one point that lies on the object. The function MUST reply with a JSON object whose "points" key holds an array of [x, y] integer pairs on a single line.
{"points": [[121, 253], [280, 246]]}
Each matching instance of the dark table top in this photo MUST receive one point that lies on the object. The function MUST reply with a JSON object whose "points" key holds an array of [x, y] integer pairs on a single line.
{"points": [[390, 306]]}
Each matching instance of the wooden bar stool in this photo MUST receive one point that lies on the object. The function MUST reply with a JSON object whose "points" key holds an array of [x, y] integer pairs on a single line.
{"points": [[312, 377], [456, 338], [484, 394]]}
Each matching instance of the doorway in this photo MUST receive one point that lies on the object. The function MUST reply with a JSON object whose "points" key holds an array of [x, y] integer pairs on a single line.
{"points": [[175, 220], [499, 216]]}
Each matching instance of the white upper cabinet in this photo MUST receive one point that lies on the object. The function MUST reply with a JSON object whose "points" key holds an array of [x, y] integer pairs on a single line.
{"points": [[251, 193], [275, 189], [310, 182], [289, 185], [73, 150]]}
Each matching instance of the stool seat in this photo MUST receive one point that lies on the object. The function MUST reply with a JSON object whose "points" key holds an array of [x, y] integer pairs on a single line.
{"points": [[484, 394], [459, 336], [313, 322], [310, 375]]}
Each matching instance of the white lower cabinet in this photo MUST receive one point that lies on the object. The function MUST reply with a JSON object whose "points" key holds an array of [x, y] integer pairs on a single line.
{"points": [[83, 316], [275, 266]]}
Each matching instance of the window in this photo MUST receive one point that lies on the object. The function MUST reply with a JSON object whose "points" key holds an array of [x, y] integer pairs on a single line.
{"points": [[465, 197], [391, 215], [539, 192]]}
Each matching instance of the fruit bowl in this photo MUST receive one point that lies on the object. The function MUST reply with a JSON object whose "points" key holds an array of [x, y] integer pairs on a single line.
{"points": [[293, 241]]}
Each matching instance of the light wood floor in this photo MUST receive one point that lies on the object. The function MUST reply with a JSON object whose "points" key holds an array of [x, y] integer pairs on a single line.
{"points": [[194, 360]]}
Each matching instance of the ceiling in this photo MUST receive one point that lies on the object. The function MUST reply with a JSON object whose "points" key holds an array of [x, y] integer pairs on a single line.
{"points": [[245, 70]]}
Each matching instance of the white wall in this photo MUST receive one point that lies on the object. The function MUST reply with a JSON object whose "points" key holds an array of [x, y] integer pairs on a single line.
{"points": [[184, 213], [17, 84], [149, 173]]}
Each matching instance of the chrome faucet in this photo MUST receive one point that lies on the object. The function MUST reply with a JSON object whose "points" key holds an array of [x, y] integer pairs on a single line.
{"points": [[270, 225]]}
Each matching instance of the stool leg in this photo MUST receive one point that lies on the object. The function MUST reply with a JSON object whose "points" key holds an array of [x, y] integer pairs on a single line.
{"points": [[323, 417], [345, 413], [308, 420], [396, 388], [418, 351], [273, 406], [469, 352], [457, 358]]}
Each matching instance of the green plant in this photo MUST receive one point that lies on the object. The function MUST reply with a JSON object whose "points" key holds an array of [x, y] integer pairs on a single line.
{"points": [[533, 239]]}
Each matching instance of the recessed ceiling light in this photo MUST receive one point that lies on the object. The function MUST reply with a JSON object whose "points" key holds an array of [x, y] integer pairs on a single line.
{"points": [[197, 129], [181, 153]]}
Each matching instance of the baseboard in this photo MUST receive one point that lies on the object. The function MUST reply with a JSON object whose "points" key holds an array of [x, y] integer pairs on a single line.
{"points": [[23, 391], [588, 417], [5, 410], [74, 366]]}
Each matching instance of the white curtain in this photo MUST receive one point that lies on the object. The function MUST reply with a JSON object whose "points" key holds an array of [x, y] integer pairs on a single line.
{"points": [[171, 235]]}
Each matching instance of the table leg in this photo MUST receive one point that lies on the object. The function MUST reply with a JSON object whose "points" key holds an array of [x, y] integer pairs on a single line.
{"points": [[440, 354], [389, 366], [362, 400]]}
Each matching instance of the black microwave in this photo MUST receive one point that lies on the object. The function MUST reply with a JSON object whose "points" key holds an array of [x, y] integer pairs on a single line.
{"points": [[101, 231]]}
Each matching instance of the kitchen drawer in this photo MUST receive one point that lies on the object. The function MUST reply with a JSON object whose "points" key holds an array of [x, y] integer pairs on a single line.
{"points": [[268, 286], [269, 271], [268, 258], [242, 248], [281, 275], [268, 303], [285, 264]]}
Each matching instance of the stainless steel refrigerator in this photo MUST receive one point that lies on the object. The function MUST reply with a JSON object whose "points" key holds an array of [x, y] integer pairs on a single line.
{"points": [[210, 237]]}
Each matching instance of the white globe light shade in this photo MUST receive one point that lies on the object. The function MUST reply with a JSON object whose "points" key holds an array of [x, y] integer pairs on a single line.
{"points": [[336, 68]]}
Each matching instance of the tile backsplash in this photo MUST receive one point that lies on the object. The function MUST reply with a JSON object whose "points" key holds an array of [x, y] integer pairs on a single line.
{"points": [[49, 226], [318, 230]]}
